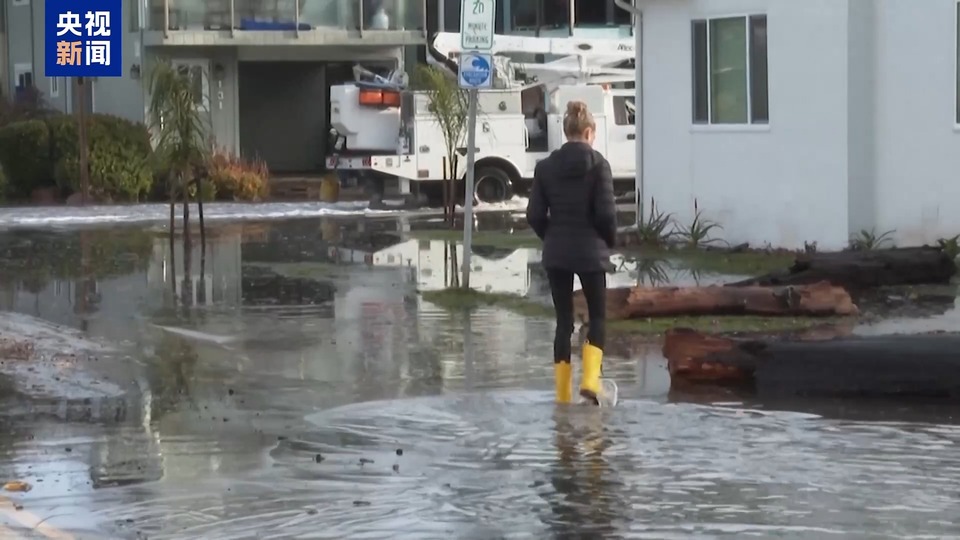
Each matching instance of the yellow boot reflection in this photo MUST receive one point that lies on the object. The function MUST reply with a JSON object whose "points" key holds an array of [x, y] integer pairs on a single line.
{"points": [[582, 477]]}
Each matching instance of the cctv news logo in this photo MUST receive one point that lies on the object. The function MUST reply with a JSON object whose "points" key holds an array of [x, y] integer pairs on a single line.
{"points": [[83, 38]]}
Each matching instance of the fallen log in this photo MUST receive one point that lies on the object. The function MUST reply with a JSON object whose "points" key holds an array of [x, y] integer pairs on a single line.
{"points": [[629, 345], [859, 270], [921, 366], [816, 300]]}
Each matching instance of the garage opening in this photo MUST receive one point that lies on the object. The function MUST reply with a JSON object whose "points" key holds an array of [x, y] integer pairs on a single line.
{"points": [[283, 114]]}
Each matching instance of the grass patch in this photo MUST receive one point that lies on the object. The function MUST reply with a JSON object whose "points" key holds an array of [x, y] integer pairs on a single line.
{"points": [[720, 325], [304, 270], [461, 299], [457, 299], [497, 239], [748, 263]]}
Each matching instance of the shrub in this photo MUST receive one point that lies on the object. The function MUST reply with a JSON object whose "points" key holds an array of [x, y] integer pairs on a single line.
{"points": [[25, 156], [28, 104], [208, 191], [119, 156], [238, 179]]}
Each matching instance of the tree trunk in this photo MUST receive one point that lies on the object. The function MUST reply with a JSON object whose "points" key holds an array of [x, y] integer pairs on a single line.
{"points": [[445, 191], [923, 365], [186, 288], [173, 258], [860, 270], [203, 235], [202, 284], [454, 167], [817, 300]]}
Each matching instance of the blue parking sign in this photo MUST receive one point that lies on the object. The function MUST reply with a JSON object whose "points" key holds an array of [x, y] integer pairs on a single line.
{"points": [[476, 70], [83, 38]]}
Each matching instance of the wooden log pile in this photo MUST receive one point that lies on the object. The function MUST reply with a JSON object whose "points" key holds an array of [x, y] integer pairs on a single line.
{"points": [[920, 366], [815, 300], [860, 270], [816, 285]]}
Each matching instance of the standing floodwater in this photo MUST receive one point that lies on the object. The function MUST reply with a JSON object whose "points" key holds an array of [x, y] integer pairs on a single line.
{"points": [[297, 386]]}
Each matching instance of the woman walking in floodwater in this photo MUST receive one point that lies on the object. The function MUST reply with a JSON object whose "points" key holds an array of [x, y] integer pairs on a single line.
{"points": [[572, 210]]}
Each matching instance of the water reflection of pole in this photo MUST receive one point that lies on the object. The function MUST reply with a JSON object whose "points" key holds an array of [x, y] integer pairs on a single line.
{"points": [[202, 282], [202, 293], [468, 352], [454, 271], [186, 288], [81, 92], [85, 278], [173, 259]]}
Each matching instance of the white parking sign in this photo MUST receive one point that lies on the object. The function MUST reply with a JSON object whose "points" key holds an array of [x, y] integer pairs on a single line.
{"points": [[476, 70], [476, 24]]}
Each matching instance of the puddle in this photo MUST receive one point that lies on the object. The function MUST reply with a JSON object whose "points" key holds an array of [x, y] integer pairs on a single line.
{"points": [[265, 385]]}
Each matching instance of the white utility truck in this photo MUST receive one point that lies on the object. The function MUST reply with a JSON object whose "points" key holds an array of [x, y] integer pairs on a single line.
{"points": [[387, 131]]}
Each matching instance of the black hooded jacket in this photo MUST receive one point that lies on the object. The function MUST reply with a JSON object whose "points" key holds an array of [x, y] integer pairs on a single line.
{"points": [[572, 209]]}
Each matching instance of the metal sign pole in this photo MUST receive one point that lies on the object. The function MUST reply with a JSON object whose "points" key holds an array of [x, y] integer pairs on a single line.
{"points": [[476, 35], [468, 191]]}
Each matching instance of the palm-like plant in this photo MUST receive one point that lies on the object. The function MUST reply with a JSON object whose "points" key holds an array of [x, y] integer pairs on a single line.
{"points": [[449, 105], [181, 143]]}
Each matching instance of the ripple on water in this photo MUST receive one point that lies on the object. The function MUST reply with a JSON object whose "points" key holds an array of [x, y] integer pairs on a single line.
{"points": [[511, 461]]}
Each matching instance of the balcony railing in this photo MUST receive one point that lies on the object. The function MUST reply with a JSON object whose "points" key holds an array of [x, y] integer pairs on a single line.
{"points": [[298, 15]]}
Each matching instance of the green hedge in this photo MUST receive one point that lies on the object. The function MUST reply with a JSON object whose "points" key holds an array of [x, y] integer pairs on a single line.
{"points": [[120, 157], [25, 157], [41, 153]]}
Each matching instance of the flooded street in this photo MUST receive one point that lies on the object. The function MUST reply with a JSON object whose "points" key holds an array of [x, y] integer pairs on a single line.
{"points": [[291, 383]]}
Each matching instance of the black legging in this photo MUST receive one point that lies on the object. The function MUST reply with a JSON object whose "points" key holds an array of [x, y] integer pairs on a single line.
{"points": [[594, 285]]}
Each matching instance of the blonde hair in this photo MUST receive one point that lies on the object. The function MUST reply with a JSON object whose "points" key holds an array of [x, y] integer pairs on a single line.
{"points": [[577, 119]]}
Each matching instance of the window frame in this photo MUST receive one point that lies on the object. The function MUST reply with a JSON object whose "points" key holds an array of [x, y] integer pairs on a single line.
{"points": [[571, 23], [54, 83], [21, 69], [708, 124]]}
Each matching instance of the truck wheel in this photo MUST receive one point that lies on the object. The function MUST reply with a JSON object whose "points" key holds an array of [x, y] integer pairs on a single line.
{"points": [[492, 185]]}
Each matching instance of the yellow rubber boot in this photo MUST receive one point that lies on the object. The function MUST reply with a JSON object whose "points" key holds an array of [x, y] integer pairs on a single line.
{"points": [[590, 378], [563, 381]]}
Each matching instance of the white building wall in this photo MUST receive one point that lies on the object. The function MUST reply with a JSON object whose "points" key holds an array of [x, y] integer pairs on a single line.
{"points": [[918, 143], [861, 115], [785, 183]]}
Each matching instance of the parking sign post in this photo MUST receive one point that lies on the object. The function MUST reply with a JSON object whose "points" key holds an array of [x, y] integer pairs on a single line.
{"points": [[476, 71]]}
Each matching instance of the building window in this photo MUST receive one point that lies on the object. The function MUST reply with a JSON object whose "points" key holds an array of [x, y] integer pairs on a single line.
{"points": [[23, 75], [538, 14], [534, 14], [730, 71], [195, 74], [599, 13], [54, 86]]}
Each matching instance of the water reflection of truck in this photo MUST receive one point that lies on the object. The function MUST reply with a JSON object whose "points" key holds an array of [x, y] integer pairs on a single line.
{"points": [[501, 271], [388, 132]]}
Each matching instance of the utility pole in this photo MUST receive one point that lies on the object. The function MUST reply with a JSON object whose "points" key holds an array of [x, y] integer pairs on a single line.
{"points": [[82, 146]]}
